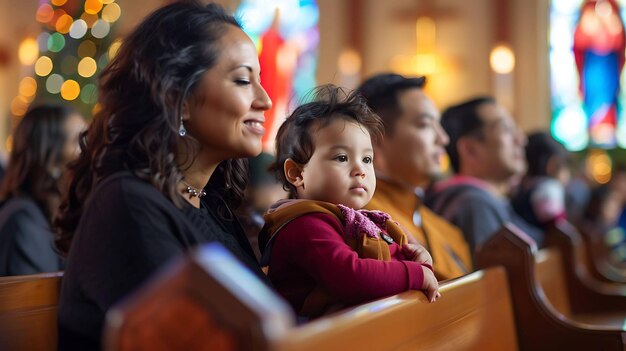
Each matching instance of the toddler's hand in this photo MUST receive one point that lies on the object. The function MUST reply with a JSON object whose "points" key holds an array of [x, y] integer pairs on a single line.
{"points": [[430, 285], [417, 253]]}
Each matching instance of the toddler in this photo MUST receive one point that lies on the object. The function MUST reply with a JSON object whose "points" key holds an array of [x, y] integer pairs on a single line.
{"points": [[322, 250]]}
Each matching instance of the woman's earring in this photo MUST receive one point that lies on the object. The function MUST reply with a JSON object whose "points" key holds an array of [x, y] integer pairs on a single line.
{"points": [[181, 130]]}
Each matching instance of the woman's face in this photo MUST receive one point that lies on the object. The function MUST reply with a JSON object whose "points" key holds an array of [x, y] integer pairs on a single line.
{"points": [[73, 126], [225, 113]]}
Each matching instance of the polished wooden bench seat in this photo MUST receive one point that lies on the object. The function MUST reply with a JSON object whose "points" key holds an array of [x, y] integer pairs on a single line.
{"points": [[210, 302], [28, 311], [542, 307]]}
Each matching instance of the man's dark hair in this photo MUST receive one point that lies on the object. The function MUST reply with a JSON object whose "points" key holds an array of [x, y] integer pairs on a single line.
{"points": [[462, 120], [381, 92]]}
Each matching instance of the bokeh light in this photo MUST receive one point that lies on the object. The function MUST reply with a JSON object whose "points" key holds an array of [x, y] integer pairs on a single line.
{"points": [[114, 48], [58, 2], [502, 59], [53, 83], [111, 13], [87, 67], [64, 23], [70, 90], [56, 42], [78, 29], [19, 106], [42, 41], [43, 66], [100, 29], [88, 94], [45, 12], [93, 6], [103, 61], [28, 87], [28, 51]]}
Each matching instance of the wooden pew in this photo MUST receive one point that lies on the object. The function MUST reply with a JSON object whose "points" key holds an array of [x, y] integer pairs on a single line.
{"points": [[587, 293], [225, 308], [540, 324], [598, 258], [28, 311]]}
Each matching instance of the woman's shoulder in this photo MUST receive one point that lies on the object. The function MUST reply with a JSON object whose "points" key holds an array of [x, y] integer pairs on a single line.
{"points": [[123, 187], [19, 209]]}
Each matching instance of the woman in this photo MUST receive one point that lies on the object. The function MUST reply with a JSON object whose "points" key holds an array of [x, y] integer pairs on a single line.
{"points": [[43, 143], [181, 102]]}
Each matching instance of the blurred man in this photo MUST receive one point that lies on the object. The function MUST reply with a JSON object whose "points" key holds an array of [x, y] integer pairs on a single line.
{"points": [[487, 152], [406, 160]]}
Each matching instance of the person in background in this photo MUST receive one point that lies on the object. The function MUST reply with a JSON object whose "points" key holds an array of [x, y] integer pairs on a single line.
{"points": [[162, 164], [408, 158], [323, 251], [540, 197], [486, 151], [262, 191], [44, 142]]}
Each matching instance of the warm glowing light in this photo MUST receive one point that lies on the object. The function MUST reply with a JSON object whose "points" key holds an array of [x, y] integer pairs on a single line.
{"points": [[111, 13], [64, 23], [87, 48], [96, 108], [58, 2], [28, 51], [93, 6], [599, 166], [349, 62], [45, 12], [19, 106], [70, 90], [425, 60], [502, 59], [425, 64], [9, 143], [106, 2], [28, 87], [43, 66], [114, 48], [87, 67]]}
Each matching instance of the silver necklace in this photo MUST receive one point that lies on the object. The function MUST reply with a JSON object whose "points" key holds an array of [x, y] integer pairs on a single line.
{"points": [[193, 192]]}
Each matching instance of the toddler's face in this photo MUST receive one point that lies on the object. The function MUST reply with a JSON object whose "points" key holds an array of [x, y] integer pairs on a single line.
{"points": [[341, 169]]}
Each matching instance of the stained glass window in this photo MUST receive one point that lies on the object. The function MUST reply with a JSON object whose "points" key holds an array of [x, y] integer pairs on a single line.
{"points": [[286, 34], [587, 44]]}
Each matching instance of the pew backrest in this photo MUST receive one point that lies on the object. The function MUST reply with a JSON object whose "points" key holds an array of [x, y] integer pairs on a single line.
{"points": [[473, 313], [551, 277], [224, 309], [540, 326], [28, 311]]}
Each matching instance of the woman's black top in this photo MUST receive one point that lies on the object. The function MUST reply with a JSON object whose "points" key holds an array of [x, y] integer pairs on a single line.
{"points": [[127, 231]]}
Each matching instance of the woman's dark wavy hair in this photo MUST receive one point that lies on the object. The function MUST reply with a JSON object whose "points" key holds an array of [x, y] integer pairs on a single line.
{"points": [[38, 143], [294, 139], [142, 92]]}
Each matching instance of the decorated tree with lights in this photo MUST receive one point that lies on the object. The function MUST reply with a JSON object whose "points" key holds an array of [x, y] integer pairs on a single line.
{"points": [[73, 47]]}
